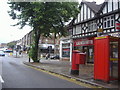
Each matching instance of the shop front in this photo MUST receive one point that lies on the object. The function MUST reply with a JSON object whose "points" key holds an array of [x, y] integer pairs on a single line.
{"points": [[85, 46], [65, 49], [107, 58]]}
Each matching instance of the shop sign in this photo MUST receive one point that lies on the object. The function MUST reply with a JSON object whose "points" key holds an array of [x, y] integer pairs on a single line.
{"points": [[66, 49], [101, 37], [100, 30], [118, 26], [83, 42]]}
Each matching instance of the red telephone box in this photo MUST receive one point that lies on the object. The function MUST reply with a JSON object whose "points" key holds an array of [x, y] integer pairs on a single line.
{"points": [[106, 58]]}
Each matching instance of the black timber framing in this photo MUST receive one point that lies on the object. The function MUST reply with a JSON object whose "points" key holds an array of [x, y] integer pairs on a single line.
{"points": [[107, 30], [82, 4], [97, 17]]}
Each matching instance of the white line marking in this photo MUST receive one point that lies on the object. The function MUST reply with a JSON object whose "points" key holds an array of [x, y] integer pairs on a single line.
{"points": [[1, 79]]}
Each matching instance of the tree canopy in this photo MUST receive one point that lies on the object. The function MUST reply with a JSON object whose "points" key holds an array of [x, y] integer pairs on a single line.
{"points": [[11, 44], [44, 17], [48, 17]]}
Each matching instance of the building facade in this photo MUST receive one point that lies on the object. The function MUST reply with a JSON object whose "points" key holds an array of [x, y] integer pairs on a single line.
{"points": [[65, 48], [44, 43], [95, 20]]}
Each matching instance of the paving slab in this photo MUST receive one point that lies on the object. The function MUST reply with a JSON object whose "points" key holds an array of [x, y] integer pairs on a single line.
{"points": [[64, 68]]}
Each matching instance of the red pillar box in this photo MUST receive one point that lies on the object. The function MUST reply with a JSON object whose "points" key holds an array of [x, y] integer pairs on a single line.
{"points": [[81, 57], [75, 67]]}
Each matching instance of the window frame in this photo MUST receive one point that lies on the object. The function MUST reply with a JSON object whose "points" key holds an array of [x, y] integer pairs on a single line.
{"points": [[108, 22]]}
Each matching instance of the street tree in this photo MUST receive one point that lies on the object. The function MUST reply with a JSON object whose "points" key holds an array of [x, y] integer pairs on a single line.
{"points": [[44, 17], [11, 44]]}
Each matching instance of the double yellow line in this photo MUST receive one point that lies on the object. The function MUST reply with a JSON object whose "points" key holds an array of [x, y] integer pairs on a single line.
{"points": [[65, 78]]}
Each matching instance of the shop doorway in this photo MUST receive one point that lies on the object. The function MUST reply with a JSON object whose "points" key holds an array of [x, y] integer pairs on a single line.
{"points": [[114, 60], [89, 53], [107, 58]]}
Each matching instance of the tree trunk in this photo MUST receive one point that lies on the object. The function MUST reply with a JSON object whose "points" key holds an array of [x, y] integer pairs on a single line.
{"points": [[36, 51], [36, 39], [54, 43]]}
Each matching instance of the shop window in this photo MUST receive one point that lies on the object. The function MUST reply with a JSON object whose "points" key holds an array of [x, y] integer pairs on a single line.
{"points": [[79, 48], [66, 45], [114, 50], [65, 53]]}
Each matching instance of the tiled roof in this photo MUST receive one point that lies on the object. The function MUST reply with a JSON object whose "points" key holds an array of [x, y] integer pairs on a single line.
{"points": [[92, 5]]}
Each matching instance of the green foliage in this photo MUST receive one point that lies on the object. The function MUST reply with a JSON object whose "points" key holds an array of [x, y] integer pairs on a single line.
{"points": [[44, 17], [32, 53], [48, 17], [11, 44]]}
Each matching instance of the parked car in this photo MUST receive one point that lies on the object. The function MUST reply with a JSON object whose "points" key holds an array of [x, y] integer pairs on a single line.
{"points": [[55, 57], [8, 51], [2, 53]]}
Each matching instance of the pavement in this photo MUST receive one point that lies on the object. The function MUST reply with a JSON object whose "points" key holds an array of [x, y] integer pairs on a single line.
{"points": [[64, 68]]}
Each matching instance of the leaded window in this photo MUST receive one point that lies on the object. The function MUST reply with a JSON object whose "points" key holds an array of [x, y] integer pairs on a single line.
{"points": [[92, 26], [108, 22]]}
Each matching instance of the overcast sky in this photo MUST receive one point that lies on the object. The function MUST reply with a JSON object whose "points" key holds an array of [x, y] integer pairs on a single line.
{"points": [[9, 33]]}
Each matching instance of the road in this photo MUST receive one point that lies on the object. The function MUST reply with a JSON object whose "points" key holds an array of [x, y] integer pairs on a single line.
{"points": [[17, 75]]}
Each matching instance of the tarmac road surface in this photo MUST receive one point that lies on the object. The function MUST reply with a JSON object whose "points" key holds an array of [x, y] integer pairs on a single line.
{"points": [[16, 75]]}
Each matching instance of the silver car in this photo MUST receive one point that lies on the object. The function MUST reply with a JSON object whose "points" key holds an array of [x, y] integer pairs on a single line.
{"points": [[2, 53]]}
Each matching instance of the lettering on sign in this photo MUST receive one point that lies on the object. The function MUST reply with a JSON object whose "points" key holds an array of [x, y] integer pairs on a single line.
{"points": [[101, 37], [84, 42]]}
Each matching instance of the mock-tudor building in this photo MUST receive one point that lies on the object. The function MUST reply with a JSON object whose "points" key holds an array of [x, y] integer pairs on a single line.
{"points": [[94, 20]]}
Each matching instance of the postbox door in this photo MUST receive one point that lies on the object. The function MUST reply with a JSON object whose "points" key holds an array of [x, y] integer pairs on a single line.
{"points": [[80, 58]]}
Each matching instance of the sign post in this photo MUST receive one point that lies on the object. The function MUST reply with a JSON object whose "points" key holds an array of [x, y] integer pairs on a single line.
{"points": [[118, 26], [99, 31]]}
